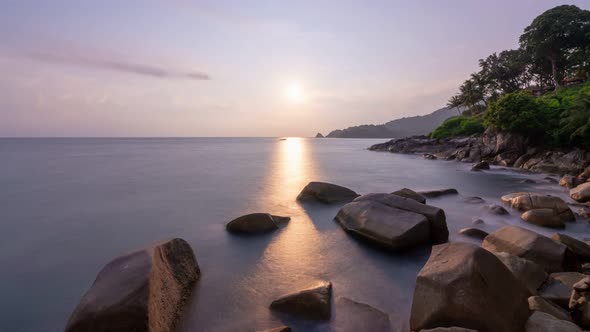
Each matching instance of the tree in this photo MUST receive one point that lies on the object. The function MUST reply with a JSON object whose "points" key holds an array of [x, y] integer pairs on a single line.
{"points": [[554, 36], [455, 102], [505, 72]]}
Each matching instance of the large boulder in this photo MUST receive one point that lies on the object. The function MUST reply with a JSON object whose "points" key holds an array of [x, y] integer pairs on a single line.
{"points": [[543, 217], [409, 193], [353, 316], [439, 233], [531, 274], [438, 192], [527, 244], [464, 285], [542, 322], [579, 248], [524, 201], [145, 290], [537, 303], [314, 303], [557, 292], [579, 302], [384, 225], [326, 193], [581, 193], [255, 223]]}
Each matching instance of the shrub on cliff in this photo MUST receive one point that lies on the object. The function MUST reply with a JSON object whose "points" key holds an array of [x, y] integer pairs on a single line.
{"points": [[459, 126], [520, 113]]}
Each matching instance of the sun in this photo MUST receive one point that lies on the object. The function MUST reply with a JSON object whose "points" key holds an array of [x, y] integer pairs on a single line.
{"points": [[295, 93]]}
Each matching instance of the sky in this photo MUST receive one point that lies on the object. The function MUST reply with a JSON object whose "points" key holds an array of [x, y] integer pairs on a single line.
{"points": [[239, 68]]}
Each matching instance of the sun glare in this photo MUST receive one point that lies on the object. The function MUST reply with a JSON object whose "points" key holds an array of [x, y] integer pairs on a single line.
{"points": [[294, 93]]}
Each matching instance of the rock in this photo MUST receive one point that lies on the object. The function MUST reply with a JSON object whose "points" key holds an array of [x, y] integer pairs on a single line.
{"points": [[568, 278], [145, 290], [384, 225], [537, 303], [449, 329], [524, 201], [439, 233], [550, 179], [460, 285], [326, 193], [480, 166], [319, 135], [438, 193], [281, 328], [497, 210], [584, 212], [528, 181], [569, 182], [355, 316], [473, 200], [543, 217], [255, 223], [579, 302], [579, 248], [409, 193], [581, 193], [473, 232], [556, 292], [430, 156], [313, 303], [542, 322], [478, 222], [527, 244], [531, 274]]}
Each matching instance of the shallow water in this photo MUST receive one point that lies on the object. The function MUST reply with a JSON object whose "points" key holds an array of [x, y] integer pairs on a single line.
{"points": [[68, 206]]}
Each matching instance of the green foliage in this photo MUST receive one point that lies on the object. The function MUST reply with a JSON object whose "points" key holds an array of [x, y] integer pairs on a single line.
{"points": [[459, 126], [516, 112]]}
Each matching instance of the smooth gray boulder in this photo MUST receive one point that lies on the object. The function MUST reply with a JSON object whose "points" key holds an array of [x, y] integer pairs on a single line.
{"points": [[326, 193], [409, 193], [579, 248], [438, 192], [145, 290], [537, 303], [531, 274], [473, 232], [543, 217], [527, 244], [439, 233], [581, 193], [542, 322], [466, 286], [255, 223], [314, 303], [353, 316], [384, 225], [524, 201]]}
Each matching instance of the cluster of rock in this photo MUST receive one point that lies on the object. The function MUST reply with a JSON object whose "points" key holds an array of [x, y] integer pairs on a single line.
{"points": [[495, 147], [539, 209]]}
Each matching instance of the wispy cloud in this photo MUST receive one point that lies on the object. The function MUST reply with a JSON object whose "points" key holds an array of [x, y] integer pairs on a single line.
{"points": [[111, 63]]}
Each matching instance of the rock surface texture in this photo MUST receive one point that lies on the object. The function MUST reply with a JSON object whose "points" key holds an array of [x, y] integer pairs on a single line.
{"points": [[255, 223], [326, 193], [314, 303]]}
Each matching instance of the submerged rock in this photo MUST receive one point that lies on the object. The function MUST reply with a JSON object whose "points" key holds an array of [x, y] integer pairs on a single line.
{"points": [[326, 193], [478, 222], [313, 303], [480, 166], [352, 316], [537, 303], [409, 193], [531, 274], [255, 223], [473, 200], [467, 286], [542, 322], [439, 233], [429, 156], [145, 290], [524, 201], [581, 193], [279, 329], [543, 217], [438, 193], [497, 210], [473, 232], [527, 244]]}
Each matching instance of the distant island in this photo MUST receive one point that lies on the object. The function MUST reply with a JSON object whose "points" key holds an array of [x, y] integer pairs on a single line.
{"points": [[409, 126]]}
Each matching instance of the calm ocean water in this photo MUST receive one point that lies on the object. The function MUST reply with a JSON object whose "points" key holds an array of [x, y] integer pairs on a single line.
{"points": [[68, 206]]}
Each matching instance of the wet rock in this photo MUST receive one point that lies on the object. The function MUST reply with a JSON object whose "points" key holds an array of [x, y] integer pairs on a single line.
{"points": [[326, 193], [568, 278], [556, 292], [480, 166], [352, 316], [409, 193], [478, 222], [438, 193], [460, 285], [429, 156], [581, 193], [550, 179], [439, 232], [145, 290], [542, 322], [537, 303], [313, 303], [580, 302], [279, 329], [384, 225], [497, 210], [579, 248], [524, 201], [528, 181], [527, 244], [569, 181], [543, 217], [473, 232], [531, 274], [473, 200], [255, 223], [584, 212]]}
